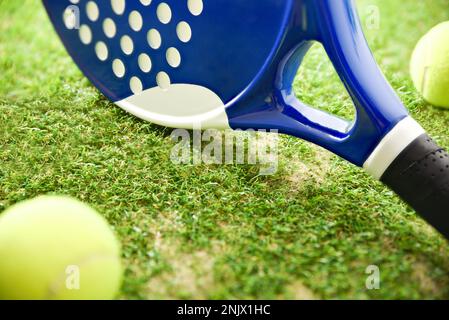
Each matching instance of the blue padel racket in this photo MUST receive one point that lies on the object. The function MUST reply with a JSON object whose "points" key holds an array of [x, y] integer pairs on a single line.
{"points": [[231, 64]]}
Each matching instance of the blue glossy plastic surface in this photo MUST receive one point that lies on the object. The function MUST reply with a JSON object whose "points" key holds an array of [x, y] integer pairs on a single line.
{"points": [[336, 25], [248, 52], [230, 43]]}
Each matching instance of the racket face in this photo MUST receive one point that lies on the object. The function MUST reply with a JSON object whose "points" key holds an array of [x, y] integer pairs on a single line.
{"points": [[229, 63], [177, 63]]}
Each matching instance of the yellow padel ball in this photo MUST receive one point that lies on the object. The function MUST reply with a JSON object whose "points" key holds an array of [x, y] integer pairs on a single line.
{"points": [[57, 248], [430, 66]]}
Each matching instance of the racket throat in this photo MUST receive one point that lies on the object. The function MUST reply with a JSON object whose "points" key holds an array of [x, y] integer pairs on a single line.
{"points": [[314, 118]]}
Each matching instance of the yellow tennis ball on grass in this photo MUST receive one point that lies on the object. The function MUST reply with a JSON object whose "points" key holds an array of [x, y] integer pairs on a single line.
{"points": [[57, 248], [430, 66]]}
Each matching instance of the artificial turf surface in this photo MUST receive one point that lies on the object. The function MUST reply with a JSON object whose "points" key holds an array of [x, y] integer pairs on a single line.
{"points": [[221, 231]]}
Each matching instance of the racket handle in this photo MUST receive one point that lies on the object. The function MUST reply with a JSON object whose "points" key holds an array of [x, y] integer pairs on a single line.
{"points": [[420, 176]]}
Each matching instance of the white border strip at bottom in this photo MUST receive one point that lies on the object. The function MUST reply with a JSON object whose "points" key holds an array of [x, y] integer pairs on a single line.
{"points": [[391, 146]]}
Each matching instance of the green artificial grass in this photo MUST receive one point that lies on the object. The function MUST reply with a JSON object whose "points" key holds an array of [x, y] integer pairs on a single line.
{"points": [[221, 231]]}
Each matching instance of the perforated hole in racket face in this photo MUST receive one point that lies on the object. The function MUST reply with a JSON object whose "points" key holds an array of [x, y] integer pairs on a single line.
{"points": [[173, 62]]}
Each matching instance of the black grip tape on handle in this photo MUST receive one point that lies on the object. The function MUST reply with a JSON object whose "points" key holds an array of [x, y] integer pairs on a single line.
{"points": [[420, 176]]}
